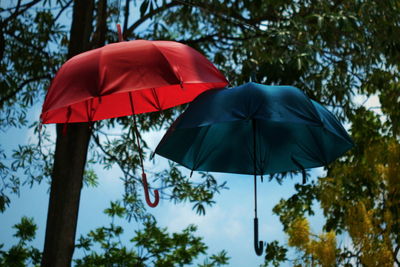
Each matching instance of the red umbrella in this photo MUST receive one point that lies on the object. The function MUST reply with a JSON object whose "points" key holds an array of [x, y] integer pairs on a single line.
{"points": [[99, 84], [128, 78]]}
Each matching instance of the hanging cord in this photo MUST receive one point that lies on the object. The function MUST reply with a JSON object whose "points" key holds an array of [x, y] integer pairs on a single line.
{"points": [[90, 111], [258, 245], [144, 177], [65, 127]]}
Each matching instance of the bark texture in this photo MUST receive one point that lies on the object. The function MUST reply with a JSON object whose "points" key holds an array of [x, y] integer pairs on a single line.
{"points": [[69, 162]]}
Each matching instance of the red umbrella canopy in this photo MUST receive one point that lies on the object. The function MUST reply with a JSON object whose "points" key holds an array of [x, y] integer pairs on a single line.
{"points": [[128, 78]]}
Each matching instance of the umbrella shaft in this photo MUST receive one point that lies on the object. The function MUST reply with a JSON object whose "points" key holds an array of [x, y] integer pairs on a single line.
{"points": [[255, 195], [255, 166]]}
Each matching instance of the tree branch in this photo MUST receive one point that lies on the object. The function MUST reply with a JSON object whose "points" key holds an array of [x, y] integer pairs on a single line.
{"points": [[24, 42], [236, 18], [19, 88], [126, 17], [62, 10], [210, 37], [132, 28], [99, 37], [112, 157], [206, 38], [2, 43], [396, 251], [18, 12]]}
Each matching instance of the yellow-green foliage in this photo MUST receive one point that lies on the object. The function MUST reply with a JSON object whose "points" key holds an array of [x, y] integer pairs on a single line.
{"points": [[371, 216], [324, 249], [299, 233], [321, 249]]}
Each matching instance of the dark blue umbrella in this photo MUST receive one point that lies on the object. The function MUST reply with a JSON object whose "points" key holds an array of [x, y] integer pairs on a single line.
{"points": [[254, 129]]}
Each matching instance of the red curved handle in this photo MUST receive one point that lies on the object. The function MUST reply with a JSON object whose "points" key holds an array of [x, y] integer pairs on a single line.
{"points": [[147, 195]]}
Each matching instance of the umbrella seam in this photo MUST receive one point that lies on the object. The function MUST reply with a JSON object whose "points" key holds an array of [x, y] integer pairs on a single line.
{"points": [[197, 160], [177, 74]]}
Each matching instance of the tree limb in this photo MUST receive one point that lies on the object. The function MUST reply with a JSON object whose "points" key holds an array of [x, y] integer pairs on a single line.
{"points": [[112, 157], [126, 16], [19, 12], [62, 10], [132, 28], [99, 37], [236, 18], [24, 42], [205, 38], [210, 37], [19, 88]]}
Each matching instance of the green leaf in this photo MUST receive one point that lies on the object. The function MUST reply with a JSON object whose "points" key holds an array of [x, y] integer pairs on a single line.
{"points": [[275, 254], [26, 229]]}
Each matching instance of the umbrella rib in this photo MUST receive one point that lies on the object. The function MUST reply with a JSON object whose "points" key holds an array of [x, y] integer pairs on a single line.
{"points": [[176, 73], [303, 171], [69, 112], [197, 163], [319, 146], [153, 90], [90, 110], [264, 160]]}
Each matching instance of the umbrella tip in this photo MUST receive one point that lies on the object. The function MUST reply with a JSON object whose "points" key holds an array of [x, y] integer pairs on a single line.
{"points": [[120, 38], [303, 172]]}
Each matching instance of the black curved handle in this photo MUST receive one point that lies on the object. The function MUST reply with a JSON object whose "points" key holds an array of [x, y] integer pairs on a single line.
{"points": [[258, 245]]}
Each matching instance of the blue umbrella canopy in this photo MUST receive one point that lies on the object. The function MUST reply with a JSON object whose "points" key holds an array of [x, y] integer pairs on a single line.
{"points": [[217, 132], [254, 129]]}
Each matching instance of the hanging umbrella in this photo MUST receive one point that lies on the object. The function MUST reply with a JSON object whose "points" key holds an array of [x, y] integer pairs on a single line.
{"points": [[100, 84], [254, 129], [128, 78]]}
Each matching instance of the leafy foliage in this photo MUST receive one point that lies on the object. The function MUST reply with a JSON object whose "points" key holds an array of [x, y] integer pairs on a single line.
{"points": [[150, 246], [320, 249], [275, 254], [22, 254]]}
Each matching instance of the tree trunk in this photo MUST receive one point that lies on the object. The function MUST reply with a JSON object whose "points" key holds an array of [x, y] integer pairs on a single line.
{"points": [[69, 161], [69, 164]]}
